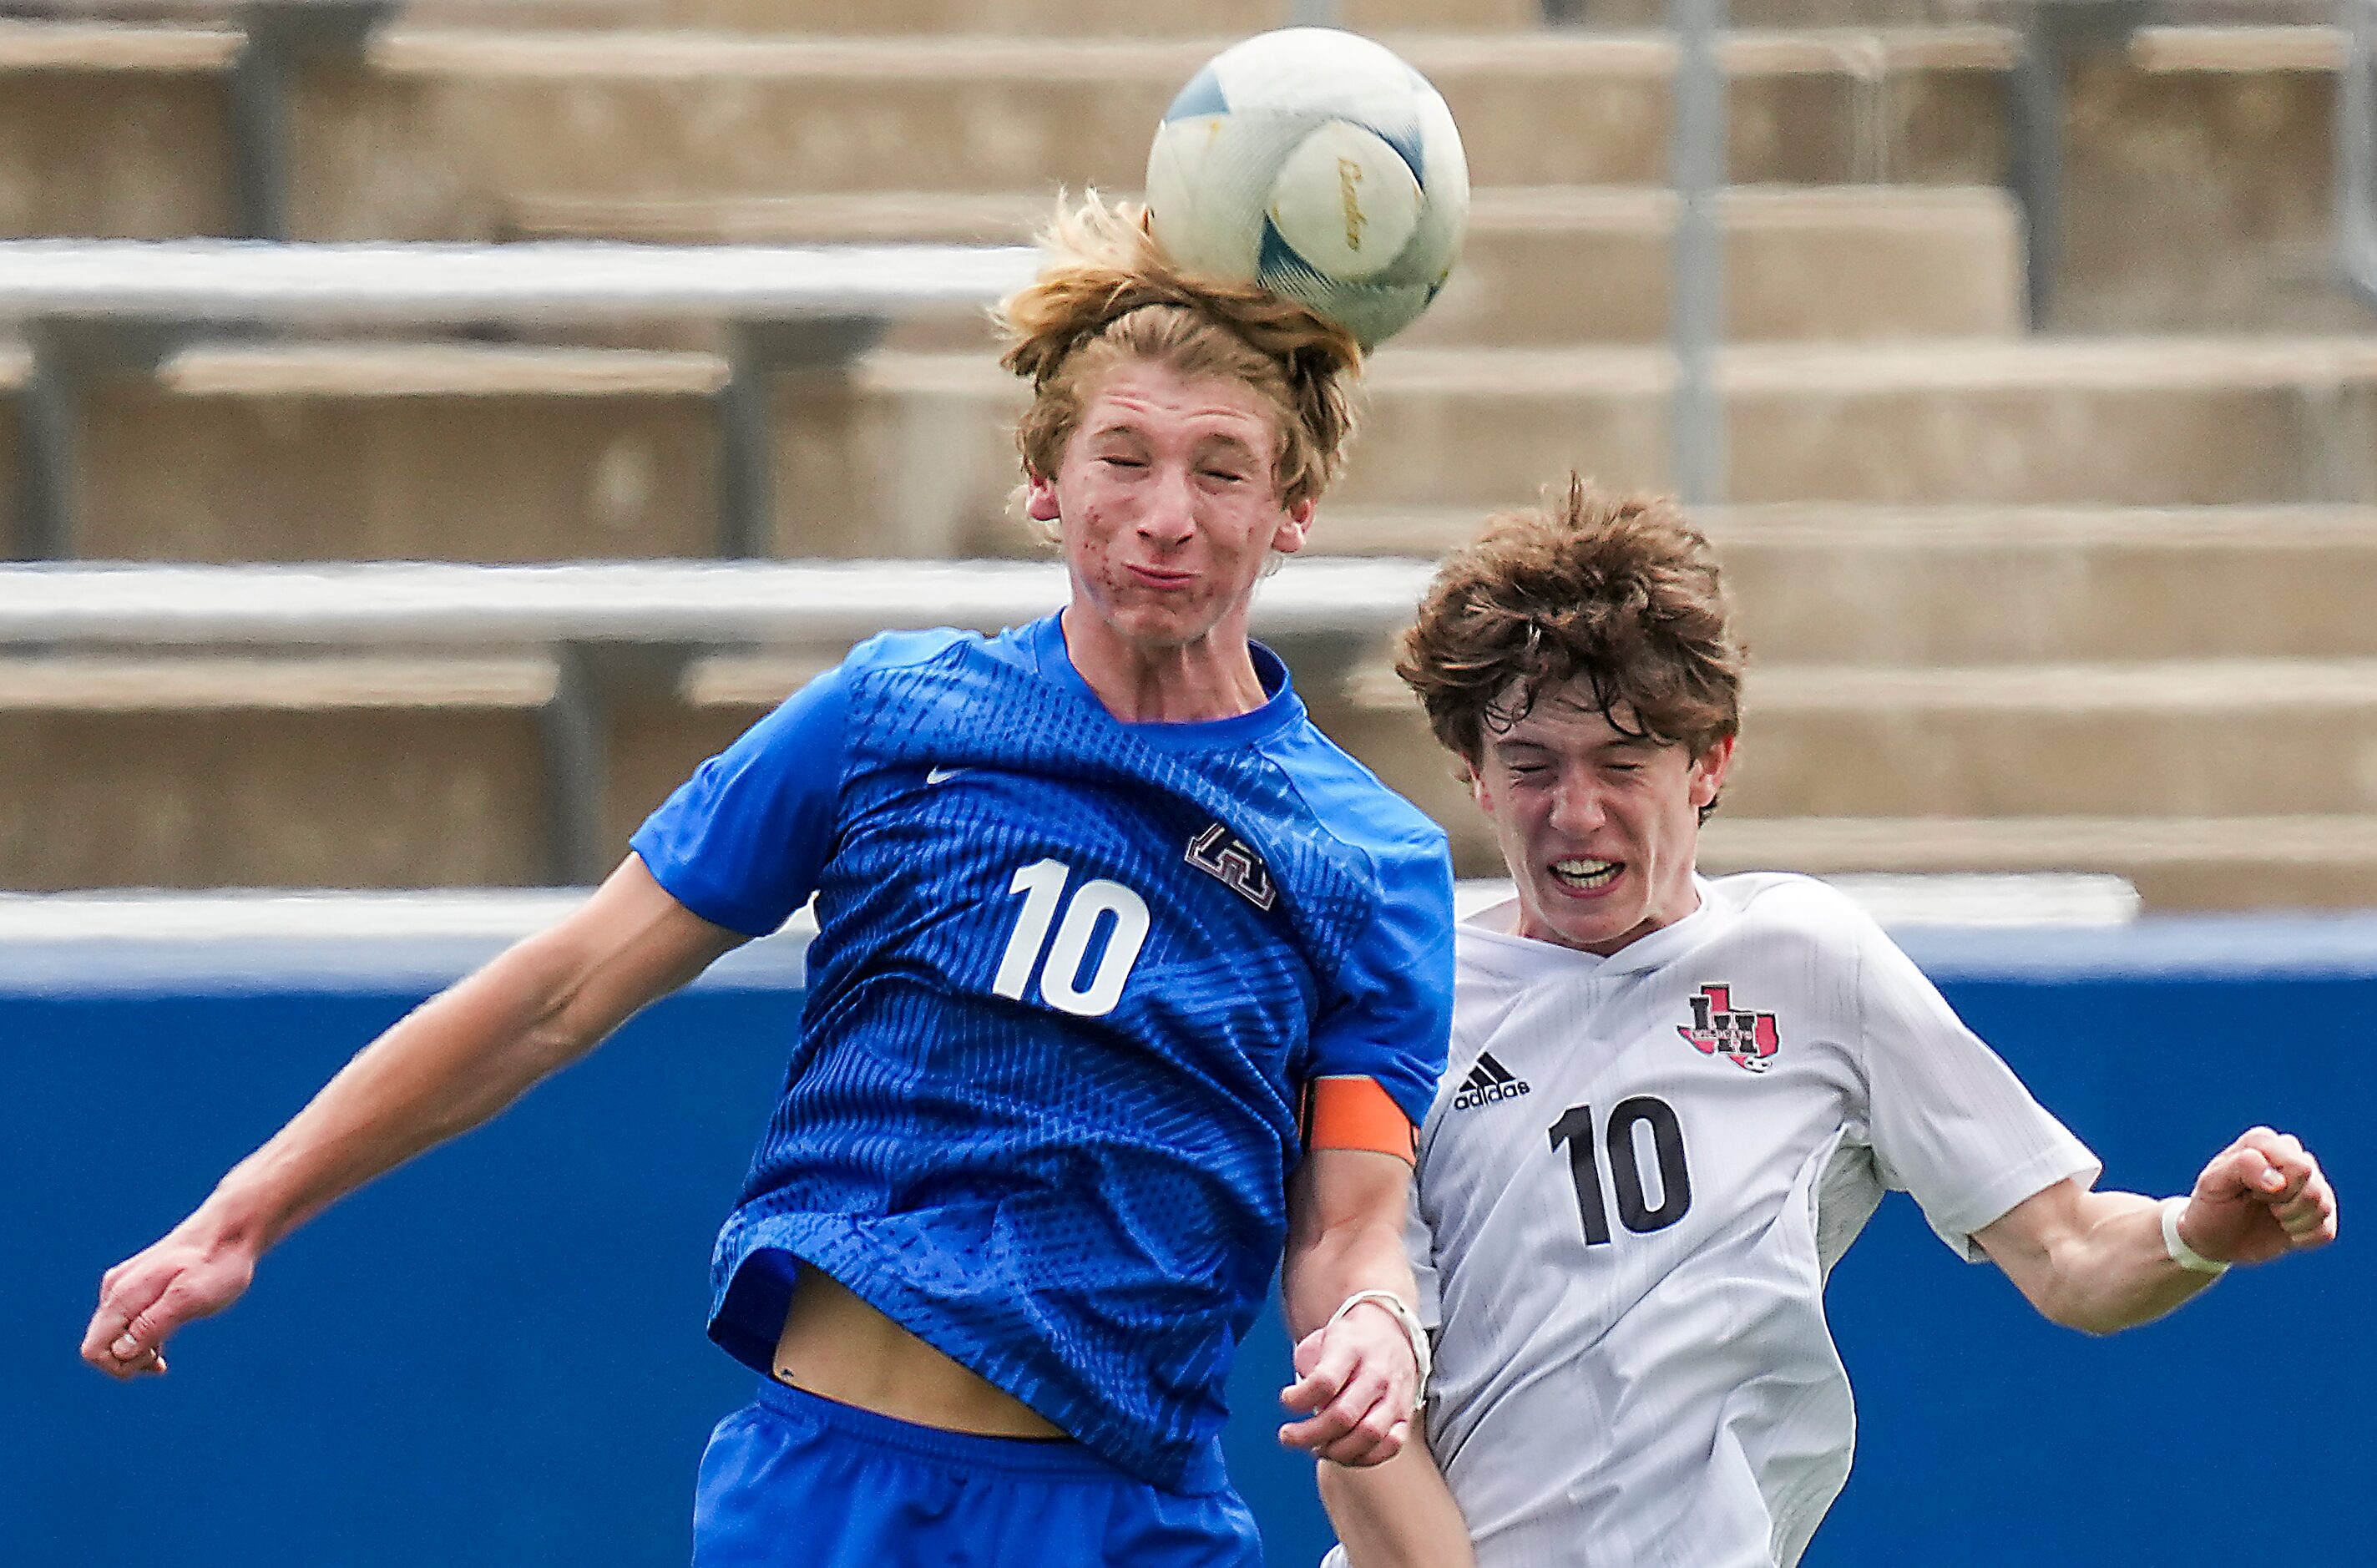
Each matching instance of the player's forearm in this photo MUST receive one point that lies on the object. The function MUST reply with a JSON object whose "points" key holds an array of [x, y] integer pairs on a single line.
{"points": [[2101, 1268], [1319, 1274], [1359, 1376], [1346, 1210], [447, 1067], [1397, 1515]]}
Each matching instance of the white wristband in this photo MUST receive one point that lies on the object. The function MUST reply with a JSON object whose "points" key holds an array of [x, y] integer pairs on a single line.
{"points": [[1406, 1320], [2182, 1254]]}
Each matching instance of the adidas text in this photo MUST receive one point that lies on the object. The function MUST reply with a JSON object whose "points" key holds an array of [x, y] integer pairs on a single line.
{"points": [[1488, 1081]]}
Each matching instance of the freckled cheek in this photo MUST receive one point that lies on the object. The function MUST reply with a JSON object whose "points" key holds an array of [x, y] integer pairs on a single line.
{"points": [[1107, 561], [1095, 535], [1089, 552]]}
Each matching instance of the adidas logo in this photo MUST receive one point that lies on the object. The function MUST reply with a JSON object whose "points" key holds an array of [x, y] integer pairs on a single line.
{"points": [[1488, 1081]]}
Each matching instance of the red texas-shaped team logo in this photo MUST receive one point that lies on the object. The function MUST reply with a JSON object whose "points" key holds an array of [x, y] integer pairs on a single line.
{"points": [[1718, 1028]]}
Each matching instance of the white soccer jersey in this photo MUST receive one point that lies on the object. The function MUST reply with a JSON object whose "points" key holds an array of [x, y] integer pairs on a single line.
{"points": [[1634, 1180]]}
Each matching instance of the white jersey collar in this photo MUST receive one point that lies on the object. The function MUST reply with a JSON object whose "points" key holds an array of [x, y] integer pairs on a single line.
{"points": [[1487, 935]]}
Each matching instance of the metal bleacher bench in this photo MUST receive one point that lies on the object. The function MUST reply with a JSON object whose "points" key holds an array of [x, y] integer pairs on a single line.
{"points": [[99, 307], [618, 628]]}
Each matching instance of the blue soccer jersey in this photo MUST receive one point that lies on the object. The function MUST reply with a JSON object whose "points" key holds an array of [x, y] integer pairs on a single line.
{"points": [[1070, 977]]}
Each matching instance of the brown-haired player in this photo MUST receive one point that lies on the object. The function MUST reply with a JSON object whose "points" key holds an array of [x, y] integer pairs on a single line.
{"points": [[1672, 1103], [1125, 981]]}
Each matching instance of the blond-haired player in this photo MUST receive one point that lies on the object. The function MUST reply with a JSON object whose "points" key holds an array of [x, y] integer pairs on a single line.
{"points": [[1672, 1103], [1125, 979]]}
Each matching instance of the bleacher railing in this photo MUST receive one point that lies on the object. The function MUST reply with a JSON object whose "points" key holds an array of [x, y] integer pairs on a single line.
{"points": [[2357, 152]]}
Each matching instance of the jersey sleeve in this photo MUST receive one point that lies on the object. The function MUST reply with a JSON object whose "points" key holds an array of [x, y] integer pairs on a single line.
{"points": [[1950, 1123], [1419, 1247], [1390, 1017], [742, 842]]}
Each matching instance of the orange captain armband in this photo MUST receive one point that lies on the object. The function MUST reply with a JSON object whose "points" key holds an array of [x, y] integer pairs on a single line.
{"points": [[1356, 1113]]}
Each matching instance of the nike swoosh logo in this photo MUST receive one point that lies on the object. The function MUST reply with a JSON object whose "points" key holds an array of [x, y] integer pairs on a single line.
{"points": [[942, 775]]}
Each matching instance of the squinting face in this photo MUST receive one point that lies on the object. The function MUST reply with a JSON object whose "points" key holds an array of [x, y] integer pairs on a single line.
{"points": [[1166, 504], [1599, 829]]}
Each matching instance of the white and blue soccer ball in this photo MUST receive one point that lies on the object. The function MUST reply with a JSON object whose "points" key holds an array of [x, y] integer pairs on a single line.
{"points": [[1319, 165]]}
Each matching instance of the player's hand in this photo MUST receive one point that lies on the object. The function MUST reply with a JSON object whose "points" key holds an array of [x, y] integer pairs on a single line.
{"points": [[1356, 1388], [144, 1299], [2261, 1197]]}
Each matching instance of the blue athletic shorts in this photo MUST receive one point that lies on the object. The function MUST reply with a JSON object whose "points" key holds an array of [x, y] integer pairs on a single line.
{"points": [[792, 1480]]}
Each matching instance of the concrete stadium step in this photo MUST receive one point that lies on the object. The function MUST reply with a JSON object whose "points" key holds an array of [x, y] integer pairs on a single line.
{"points": [[2161, 421], [396, 451], [2182, 738], [1227, 19], [2166, 738], [1216, 19], [1938, 13], [411, 771], [122, 130], [1543, 265], [369, 772], [442, 131], [2199, 169], [2200, 183], [604, 689], [2123, 770], [2223, 863], [484, 453], [1912, 586], [387, 771], [119, 131], [2132, 423]]}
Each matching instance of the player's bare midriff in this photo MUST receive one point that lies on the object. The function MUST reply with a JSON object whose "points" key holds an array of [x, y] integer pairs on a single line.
{"points": [[837, 1346]]}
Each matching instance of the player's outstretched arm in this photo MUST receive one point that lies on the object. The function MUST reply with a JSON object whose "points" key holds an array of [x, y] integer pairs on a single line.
{"points": [[1358, 1382], [447, 1067], [2101, 1261], [1396, 1515]]}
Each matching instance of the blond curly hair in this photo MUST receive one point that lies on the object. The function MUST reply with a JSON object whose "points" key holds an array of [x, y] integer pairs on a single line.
{"points": [[1109, 295]]}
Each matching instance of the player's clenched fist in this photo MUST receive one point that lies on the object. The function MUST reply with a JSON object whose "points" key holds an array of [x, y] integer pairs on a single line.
{"points": [[1358, 1387], [144, 1299], [2262, 1196]]}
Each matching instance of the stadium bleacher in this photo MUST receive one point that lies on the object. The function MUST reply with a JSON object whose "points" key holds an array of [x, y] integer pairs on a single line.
{"points": [[2051, 510], [2057, 595], [2197, 163], [1934, 261], [607, 673], [95, 310]]}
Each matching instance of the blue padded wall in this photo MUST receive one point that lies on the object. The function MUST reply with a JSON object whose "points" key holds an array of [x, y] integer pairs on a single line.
{"points": [[495, 1356]]}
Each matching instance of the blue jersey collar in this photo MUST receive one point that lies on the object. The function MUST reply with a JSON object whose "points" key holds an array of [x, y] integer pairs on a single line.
{"points": [[1042, 644]]}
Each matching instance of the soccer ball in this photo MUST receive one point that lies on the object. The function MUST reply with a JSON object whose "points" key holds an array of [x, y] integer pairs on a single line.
{"points": [[1318, 164]]}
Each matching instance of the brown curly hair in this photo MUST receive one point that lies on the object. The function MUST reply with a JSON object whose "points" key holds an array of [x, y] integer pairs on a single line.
{"points": [[1620, 592], [1107, 294]]}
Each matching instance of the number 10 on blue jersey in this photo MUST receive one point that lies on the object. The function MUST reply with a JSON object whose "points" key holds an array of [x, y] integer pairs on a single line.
{"points": [[1043, 885]]}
